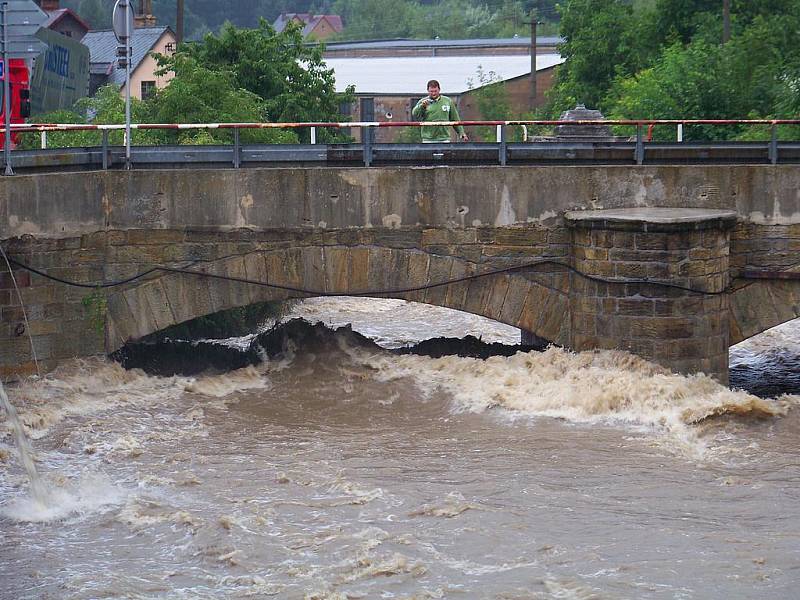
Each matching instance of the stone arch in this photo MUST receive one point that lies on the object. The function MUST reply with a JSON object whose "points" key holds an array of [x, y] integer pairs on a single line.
{"points": [[536, 305], [761, 306]]}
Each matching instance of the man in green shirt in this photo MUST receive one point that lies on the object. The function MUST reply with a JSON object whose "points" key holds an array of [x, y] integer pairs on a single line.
{"points": [[436, 107]]}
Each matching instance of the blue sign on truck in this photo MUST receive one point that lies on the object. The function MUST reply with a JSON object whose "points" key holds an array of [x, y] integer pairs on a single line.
{"points": [[60, 74]]}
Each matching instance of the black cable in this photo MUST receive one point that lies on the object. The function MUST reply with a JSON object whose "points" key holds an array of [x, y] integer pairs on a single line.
{"points": [[185, 271]]}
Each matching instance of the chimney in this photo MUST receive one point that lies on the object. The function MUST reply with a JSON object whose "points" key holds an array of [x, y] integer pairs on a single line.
{"points": [[48, 5], [143, 16]]}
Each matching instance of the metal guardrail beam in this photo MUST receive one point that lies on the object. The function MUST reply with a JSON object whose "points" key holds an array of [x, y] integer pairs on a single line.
{"points": [[503, 153], [638, 123], [368, 152]]}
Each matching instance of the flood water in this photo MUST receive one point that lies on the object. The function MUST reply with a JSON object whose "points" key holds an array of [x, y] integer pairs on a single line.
{"points": [[340, 470]]}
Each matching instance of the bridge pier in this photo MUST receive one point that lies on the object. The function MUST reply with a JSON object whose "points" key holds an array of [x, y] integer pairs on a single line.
{"points": [[680, 317], [528, 338]]}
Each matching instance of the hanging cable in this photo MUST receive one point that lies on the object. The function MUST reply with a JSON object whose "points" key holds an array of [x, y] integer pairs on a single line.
{"points": [[9, 262], [312, 292]]}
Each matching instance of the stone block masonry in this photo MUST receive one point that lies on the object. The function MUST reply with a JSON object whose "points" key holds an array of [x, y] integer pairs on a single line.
{"points": [[348, 230], [68, 322], [684, 324]]}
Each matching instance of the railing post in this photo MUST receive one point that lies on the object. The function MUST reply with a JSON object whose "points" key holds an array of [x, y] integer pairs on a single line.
{"points": [[499, 133], [680, 132], [43, 137], [503, 145], [236, 149], [313, 135], [366, 139], [773, 144], [367, 114], [105, 149], [639, 152]]}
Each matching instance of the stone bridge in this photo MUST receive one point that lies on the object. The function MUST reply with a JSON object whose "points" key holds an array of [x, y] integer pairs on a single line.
{"points": [[648, 259]]}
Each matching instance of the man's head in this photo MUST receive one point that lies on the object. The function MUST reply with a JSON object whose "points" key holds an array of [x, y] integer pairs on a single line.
{"points": [[434, 90]]}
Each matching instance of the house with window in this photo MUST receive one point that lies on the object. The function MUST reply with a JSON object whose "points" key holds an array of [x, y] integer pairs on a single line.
{"points": [[64, 21], [146, 41], [315, 27]]}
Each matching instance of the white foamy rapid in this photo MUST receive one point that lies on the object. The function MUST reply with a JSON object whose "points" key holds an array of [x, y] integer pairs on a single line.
{"points": [[783, 338], [82, 389], [60, 498], [396, 323], [585, 387]]}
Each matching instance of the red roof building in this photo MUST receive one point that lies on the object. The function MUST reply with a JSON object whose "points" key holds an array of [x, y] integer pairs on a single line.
{"points": [[63, 20], [316, 27]]}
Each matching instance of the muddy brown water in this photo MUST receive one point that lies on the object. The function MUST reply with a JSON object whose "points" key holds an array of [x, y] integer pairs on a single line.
{"points": [[339, 471]]}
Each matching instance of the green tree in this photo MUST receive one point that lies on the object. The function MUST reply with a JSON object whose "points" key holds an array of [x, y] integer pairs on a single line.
{"points": [[751, 76], [198, 94], [239, 76], [96, 13], [689, 83], [665, 59], [682, 20], [492, 99], [601, 43], [377, 19], [105, 108], [287, 74]]}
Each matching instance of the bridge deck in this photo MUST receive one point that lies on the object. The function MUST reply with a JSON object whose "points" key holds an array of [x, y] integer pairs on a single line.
{"points": [[538, 153]]}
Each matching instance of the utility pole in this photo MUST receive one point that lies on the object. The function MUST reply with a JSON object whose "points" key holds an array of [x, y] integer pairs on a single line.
{"points": [[6, 92], [122, 20], [726, 20], [179, 23], [534, 22]]}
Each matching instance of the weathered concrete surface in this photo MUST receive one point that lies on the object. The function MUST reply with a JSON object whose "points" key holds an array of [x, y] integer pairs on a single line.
{"points": [[657, 218], [349, 230], [70, 204]]}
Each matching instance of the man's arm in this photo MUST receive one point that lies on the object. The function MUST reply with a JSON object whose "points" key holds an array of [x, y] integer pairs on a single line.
{"points": [[454, 117], [420, 109]]}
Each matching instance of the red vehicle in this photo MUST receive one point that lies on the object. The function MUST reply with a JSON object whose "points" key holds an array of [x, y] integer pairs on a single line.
{"points": [[20, 97]]}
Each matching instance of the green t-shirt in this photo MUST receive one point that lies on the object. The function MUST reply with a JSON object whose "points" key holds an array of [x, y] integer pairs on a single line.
{"points": [[443, 109]]}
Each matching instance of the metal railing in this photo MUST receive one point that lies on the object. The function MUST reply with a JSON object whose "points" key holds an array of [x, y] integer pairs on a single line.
{"points": [[629, 150]]}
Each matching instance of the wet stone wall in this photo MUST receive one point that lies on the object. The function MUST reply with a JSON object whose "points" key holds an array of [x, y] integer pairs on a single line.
{"points": [[682, 330], [769, 250], [686, 331], [66, 322]]}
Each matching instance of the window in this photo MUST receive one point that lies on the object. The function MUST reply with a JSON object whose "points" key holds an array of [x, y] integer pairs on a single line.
{"points": [[148, 89], [169, 48]]}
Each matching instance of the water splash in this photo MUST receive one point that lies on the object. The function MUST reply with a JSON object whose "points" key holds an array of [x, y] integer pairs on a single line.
{"points": [[24, 449], [586, 387]]}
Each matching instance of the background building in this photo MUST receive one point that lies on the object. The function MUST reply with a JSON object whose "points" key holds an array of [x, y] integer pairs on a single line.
{"points": [[469, 47], [104, 68], [393, 74], [315, 27], [64, 21]]}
